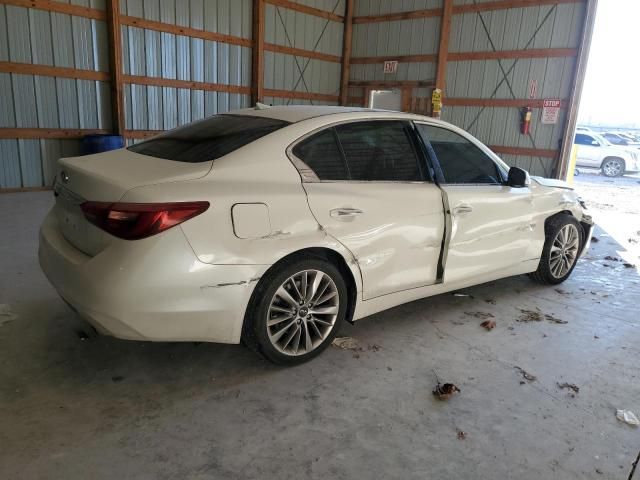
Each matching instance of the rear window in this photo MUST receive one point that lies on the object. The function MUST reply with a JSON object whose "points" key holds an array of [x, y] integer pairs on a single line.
{"points": [[208, 139]]}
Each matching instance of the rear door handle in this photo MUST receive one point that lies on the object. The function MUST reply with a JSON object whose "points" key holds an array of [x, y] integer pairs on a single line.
{"points": [[463, 209], [345, 212]]}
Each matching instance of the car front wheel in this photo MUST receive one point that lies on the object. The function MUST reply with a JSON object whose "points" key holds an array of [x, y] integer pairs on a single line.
{"points": [[563, 242], [613, 167], [296, 311]]}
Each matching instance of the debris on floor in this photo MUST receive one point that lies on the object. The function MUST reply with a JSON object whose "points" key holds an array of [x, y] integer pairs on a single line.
{"points": [[526, 375], [612, 259], [445, 391], [82, 335], [459, 294], [349, 343], [538, 316], [627, 416], [595, 239], [552, 319], [6, 315], [461, 435], [569, 386], [346, 343], [481, 315], [491, 301], [628, 265], [488, 324], [561, 291]]}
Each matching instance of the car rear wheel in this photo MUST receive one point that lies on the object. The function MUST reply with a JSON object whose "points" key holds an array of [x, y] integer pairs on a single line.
{"points": [[564, 240], [612, 167], [296, 311]]}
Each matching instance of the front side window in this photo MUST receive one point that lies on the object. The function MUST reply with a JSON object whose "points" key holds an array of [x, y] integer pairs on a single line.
{"points": [[363, 151], [461, 161], [208, 139]]}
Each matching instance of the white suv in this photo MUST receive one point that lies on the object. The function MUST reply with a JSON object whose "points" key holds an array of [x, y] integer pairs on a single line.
{"points": [[597, 152]]}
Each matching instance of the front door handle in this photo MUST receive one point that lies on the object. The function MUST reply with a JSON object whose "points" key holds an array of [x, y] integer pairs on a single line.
{"points": [[345, 213], [463, 209]]}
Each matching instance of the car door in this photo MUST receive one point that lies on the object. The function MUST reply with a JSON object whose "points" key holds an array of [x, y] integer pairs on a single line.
{"points": [[589, 151], [366, 186], [490, 223]]}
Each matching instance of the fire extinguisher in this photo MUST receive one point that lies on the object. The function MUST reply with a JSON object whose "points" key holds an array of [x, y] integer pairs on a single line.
{"points": [[525, 120]]}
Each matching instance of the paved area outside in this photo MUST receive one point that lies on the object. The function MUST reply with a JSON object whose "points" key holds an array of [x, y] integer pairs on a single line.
{"points": [[76, 408]]}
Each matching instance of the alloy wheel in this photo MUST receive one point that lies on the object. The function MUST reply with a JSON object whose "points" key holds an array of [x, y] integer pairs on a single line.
{"points": [[612, 168], [564, 250], [302, 312]]}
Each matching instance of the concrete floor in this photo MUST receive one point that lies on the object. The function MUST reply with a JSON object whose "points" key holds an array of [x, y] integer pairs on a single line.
{"points": [[105, 408]]}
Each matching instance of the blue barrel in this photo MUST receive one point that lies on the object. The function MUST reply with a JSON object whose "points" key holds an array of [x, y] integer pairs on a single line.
{"points": [[101, 143]]}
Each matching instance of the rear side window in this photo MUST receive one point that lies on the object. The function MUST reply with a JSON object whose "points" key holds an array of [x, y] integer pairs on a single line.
{"points": [[460, 160], [379, 150], [322, 154], [208, 139]]}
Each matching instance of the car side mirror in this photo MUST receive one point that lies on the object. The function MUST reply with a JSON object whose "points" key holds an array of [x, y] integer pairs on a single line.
{"points": [[518, 178]]}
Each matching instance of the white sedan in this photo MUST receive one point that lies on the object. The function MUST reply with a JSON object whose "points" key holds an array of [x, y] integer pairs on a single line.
{"points": [[274, 226]]}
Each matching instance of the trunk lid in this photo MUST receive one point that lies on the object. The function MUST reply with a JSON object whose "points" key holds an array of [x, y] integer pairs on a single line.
{"points": [[106, 177]]}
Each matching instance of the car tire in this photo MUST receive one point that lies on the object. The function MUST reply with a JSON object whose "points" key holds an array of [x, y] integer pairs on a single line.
{"points": [[279, 327], [564, 238], [612, 167]]}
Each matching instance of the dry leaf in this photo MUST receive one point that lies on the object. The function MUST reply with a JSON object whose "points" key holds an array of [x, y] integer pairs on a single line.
{"points": [[488, 324], [445, 391], [570, 386], [461, 435], [526, 375]]}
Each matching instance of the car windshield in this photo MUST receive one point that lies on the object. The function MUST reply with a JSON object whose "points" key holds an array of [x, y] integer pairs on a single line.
{"points": [[208, 139]]}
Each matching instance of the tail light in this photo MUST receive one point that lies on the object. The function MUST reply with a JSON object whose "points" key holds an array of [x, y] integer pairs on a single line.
{"points": [[133, 221]]}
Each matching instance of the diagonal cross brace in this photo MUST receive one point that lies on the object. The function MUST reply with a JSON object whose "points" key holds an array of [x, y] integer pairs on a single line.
{"points": [[301, 70], [506, 73]]}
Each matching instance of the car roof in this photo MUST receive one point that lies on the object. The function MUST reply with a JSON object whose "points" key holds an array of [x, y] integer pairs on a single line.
{"points": [[296, 113], [300, 113]]}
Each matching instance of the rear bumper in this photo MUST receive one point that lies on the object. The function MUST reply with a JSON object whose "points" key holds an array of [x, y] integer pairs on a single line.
{"points": [[152, 289]]}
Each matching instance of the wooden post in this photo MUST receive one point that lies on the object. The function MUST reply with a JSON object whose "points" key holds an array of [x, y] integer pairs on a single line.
{"points": [[405, 99], [346, 52], [445, 30], [115, 66], [257, 71]]}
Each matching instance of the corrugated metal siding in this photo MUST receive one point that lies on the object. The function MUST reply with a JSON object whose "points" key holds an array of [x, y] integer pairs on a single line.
{"points": [[509, 29], [419, 36], [157, 54], [514, 29], [31, 101], [299, 30]]}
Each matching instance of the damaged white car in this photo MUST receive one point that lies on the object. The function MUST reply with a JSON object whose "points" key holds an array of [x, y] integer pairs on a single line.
{"points": [[275, 226]]}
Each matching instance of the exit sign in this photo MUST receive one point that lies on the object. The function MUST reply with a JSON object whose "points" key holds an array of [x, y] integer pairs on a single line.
{"points": [[390, 66]]}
